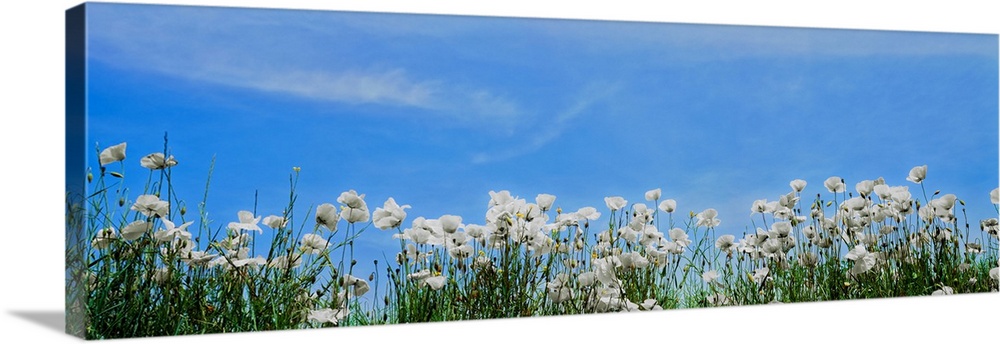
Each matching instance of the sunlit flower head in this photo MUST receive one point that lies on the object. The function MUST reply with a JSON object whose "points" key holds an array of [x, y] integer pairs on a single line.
{"points": [[650, 305], [761, 274], [917, 174], [883, 191], [112, 154], [170, 231], [707, 218], [835, 184], [865, 187], [945, 290], [435, 282], [135, 229], [354, 215], [588, 213], [798, 185], [351, 199], [314, 244], [360, 285], [328, 315], [863, 260], [284, 262], [450, 223], [157, 161], [197, 258], [391, 215], [614, 203], [668, 206], [545, 201], [760, 207], [500, 198], [104, 238], [725, 243], [679, 236], [587, 279], [710, 276], [247, 222], [151, 205], [327, 216], [808, 259], [275, 221], [653, 194]]}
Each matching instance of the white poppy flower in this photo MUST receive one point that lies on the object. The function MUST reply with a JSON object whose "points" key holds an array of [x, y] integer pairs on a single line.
{"points": [[112, 154], [917, 174], [995, 273], [135, 229], [945, 290], [995, 196], [588, 278], [725, 243], [161, 275], [863, 260], [312, 243], [589, 213], [759, 275], [329, 315], [419, 275], [834, 184], [283, 262], [391, 216], [798, 185], [326, 216], [354, 215], [436, 282], [450, 223], [275, 221], [247, 222], [150, 205], [351, 199], [545, 201], [653, 194], [157, 161], [865, 187], [668, 206], [104, 238], [614, 203], [360, 286], [710, 276], [197, 258], [808, 259], [650, 305], [707, 218], [679, 236], [883, 191], [170, 231]]}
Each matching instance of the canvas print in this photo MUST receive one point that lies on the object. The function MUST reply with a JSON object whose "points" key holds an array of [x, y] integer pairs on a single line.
{"points": [[238, 169]]}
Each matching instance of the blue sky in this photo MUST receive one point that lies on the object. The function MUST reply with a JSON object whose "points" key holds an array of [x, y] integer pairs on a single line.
{"points": [[436, 111]]}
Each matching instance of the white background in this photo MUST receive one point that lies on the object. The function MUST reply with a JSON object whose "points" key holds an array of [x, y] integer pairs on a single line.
{"points": [[31, 215]]}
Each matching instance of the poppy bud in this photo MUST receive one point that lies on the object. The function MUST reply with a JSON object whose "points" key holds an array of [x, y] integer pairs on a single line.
{"points": [[121, 201], [116, 174], [90, 177]]}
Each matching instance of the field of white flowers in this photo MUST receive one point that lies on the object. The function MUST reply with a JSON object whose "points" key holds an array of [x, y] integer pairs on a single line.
{"points": [[150, 271]]}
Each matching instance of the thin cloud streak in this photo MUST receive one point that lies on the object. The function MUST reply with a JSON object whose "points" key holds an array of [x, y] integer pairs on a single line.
{"points": [[591, 95]]}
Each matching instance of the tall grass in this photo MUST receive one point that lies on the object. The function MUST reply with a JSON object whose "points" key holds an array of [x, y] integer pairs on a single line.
{"points": [[148, 274]]}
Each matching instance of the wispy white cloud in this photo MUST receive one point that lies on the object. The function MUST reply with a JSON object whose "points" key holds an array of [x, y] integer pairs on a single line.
{"points": [[545, 133], [248, 49]]}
